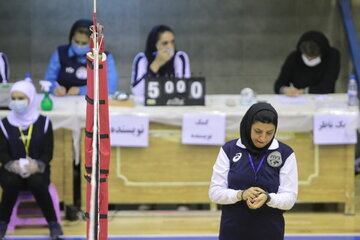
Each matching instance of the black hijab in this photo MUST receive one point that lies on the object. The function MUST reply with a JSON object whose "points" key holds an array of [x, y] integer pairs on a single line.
{"points": [[168, 68], [81, 23], [319, 38], [247, 122]]}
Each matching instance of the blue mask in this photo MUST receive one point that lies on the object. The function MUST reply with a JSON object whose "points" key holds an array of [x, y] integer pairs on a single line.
{"points": [[80, 50], [18, 106]]}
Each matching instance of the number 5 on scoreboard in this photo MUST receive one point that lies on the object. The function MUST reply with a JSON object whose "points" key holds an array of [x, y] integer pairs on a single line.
{"points": [[153, 90]]}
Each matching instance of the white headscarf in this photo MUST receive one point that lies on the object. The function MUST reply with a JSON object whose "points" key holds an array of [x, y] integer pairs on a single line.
{"points": [[31, 113]]}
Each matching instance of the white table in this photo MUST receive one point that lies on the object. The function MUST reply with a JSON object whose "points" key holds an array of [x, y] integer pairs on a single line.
{"points": [[136, 170]]}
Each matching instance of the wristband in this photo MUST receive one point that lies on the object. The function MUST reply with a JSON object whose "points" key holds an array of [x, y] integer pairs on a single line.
{"points": [[242, 193]]}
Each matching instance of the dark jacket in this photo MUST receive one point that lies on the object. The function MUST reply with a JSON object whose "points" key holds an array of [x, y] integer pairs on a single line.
{"points": [[321, 78]]}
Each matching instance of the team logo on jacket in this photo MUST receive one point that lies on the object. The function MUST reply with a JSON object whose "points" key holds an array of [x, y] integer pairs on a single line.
{"points": [[69, 70], [274, 159], [81, 73], [237, 157]]}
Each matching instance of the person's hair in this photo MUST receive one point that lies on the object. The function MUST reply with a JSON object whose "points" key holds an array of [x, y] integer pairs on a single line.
{"points": [[82, 24], [153, 38], [265, 116], [310, 48], [83, 30]]}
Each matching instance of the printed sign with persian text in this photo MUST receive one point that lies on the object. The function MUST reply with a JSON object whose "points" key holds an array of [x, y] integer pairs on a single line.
{"points": [[203, 129], [335, 128], [129, 131]]}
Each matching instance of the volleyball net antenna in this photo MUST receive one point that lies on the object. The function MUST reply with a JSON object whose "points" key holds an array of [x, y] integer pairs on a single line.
{"points": [[97, 141]]}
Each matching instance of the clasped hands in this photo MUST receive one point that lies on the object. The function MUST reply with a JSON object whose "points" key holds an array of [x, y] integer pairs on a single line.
{"points": [[23, 167], [61, 91], [292, 91], [255, 197]]}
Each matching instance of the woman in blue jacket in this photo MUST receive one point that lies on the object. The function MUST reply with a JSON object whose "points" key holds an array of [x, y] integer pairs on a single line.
{"points": [[67, 66]]}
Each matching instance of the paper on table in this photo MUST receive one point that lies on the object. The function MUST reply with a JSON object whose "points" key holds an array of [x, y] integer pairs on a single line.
{"points": [[323, 97], [285, 99]]}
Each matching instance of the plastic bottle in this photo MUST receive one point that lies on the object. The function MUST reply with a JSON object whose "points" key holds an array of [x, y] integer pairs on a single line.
{"points": [[247, 97], [28, 77], [46, 102], [352, 91]]}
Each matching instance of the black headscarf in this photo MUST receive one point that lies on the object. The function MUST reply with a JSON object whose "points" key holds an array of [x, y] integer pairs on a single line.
{"points": [[319, 38], [81, 23], [168, 68], [247, 122]]}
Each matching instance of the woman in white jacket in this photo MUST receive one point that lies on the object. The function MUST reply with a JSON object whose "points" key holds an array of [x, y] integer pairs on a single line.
{"points": [[160, 59]]}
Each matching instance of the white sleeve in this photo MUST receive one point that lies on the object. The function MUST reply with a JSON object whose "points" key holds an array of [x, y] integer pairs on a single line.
{"points": [[4, 68], [288, 190], [182, 65], [139, 71], [219, 191]]}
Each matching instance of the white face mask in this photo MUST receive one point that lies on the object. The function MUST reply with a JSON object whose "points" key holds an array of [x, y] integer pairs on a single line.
{"points": [[171, 52], [311, 63], [18, 106]]}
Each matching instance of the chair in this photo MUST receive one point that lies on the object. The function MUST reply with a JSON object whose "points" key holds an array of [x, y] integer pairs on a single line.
{"points": [[26, 196]]}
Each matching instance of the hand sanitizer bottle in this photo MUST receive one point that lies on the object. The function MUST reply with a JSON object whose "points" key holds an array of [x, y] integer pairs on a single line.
{"points": [[46, 103]]}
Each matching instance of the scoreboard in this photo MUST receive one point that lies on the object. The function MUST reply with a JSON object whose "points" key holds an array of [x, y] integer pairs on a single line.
{"points": [[162, 91]]}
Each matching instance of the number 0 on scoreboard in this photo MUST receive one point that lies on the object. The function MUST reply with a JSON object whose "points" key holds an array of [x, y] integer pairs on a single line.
{"points": [[174, 91]]}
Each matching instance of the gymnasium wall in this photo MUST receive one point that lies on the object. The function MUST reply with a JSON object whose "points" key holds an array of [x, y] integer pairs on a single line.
{"points": [[233, 43]]}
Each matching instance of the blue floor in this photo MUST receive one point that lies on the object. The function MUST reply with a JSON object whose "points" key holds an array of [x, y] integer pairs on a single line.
{"points": [[295, 237]]}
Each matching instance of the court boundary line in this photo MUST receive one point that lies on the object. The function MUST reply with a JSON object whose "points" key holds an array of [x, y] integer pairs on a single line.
{"points": [[192, 235]]}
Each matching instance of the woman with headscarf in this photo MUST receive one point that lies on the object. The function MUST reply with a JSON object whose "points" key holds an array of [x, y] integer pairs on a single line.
{"points": [[67, 67], [26, 149], [254, 179], [160, 59], [312, 68]]}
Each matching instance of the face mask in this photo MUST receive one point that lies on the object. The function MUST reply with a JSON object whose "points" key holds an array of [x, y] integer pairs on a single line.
{"points": [[80, 50], [312, 62], [171, 51], [18, 106]]}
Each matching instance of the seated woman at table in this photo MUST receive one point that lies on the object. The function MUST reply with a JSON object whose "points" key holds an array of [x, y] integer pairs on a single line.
{"points": [[4, 68], [312, 68], [26, 149], [160, 59], [67, 66]]}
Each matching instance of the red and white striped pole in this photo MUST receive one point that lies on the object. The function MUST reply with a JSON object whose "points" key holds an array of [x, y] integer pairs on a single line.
{"points": [[97, 141]]}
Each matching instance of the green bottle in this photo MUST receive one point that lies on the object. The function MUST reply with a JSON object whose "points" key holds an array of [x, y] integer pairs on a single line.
{"points": [[46, 103]]}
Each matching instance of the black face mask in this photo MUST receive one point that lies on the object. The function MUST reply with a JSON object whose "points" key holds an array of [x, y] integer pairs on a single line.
{"points": [[246, 123]]}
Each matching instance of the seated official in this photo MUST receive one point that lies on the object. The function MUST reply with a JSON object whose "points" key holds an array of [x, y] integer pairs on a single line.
{"points": [[4, 68], [67, 66], [160, 59], [26, 149], [312, 68]]}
